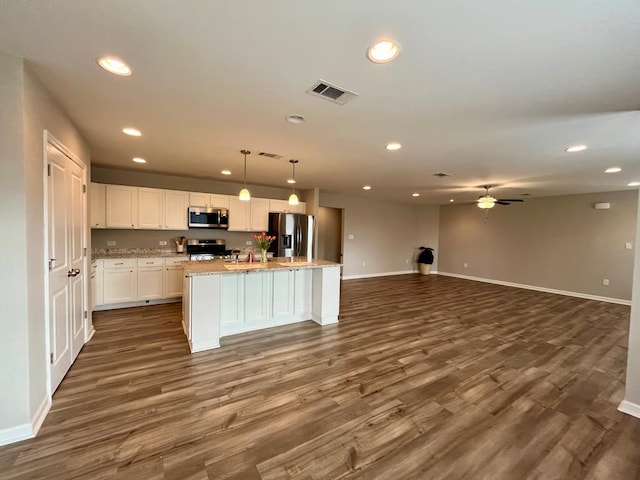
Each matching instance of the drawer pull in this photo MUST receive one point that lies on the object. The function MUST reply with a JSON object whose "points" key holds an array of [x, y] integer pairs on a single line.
{"points": [[119, 263]]}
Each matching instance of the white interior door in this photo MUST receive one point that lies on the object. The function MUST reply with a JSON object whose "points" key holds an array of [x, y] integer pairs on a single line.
{"points": [[66, 243]]}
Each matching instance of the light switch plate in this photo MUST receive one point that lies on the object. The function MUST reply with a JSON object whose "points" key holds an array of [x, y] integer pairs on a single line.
{"points": [[628, 246], [111, 243], [351, 237]]}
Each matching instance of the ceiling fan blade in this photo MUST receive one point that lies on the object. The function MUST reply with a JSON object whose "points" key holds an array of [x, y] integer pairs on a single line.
{"points": [[501, 202], [510, 200]]}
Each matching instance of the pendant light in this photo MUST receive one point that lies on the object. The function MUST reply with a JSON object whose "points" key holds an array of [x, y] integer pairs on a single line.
{"points": [[244, 195], [293, 198]]}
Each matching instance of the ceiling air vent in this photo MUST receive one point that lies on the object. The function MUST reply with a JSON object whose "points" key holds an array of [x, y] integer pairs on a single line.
{"points": [[271, 155], [331, 92]]}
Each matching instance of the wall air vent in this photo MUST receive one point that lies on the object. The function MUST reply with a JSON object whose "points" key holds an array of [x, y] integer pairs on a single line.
{"points": [[271, 155], [331, 92]]}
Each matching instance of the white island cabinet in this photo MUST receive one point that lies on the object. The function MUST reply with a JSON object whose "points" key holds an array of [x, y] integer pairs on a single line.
{"points": [[220, 302]]}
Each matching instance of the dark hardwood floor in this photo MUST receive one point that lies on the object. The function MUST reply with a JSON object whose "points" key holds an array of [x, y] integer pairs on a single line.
{"points": [[425, 377]]}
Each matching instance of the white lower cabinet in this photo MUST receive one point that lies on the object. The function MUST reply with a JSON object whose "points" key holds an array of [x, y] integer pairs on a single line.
{"points": [[173, 277], [117, 281], [97, 290], [150, 278], [253, 300], [282, 297], [220, 304], [120, 281], [303, 281]]}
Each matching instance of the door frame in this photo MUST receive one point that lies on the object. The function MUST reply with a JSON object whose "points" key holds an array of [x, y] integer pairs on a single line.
{"points": [[49, 139]]}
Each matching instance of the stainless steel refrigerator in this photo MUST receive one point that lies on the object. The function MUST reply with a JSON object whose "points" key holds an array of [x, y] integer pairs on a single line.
{"points": [[294, 234]]}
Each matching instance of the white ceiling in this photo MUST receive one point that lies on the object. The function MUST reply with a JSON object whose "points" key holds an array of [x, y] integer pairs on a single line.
{"points": [[489, 92]]}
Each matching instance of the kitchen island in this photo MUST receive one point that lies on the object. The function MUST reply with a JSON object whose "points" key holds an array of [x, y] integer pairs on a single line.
{"points": [[221, 298]]}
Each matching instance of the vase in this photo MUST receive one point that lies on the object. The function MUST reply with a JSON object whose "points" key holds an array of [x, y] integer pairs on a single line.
{"points": [[263, 255]]}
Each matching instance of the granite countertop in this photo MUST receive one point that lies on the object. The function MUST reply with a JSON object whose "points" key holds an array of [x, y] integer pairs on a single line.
{"points": [[100, 253], [210, 267]]}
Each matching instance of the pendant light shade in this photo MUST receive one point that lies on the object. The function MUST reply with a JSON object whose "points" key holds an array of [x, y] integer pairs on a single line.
{"points": [[244, 195], [293, 198]]}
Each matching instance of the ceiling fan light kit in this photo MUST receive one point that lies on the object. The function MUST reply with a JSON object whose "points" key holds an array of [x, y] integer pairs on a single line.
{"points": [[487, 200]]}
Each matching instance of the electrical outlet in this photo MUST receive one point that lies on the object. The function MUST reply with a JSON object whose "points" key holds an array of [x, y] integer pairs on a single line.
{"points": [[465, 264], [162, 243], [111, 243], [364, 264], [249, 242], [605, 281], [628, 246]]}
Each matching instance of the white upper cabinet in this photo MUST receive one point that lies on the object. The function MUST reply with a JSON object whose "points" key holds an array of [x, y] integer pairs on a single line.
{"points": [[259, 215], [284, 207], [208, 200], [122, 206], [175, 210], [97, 205], [239, 215], [150, 208], [251, 216]]}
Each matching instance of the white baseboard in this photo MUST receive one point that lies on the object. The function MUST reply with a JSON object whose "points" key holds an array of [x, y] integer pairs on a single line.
{"points": [[26, 430], [567, 293], [90, 335], [384, 274], [137, 303], [16, 434], [327, 320], [41, 413], [629, 408]]}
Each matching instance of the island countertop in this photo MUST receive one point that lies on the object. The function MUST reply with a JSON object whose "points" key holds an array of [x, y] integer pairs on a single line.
{"points": [[210, 267]]}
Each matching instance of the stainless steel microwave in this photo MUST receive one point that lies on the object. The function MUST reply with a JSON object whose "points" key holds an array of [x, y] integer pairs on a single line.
{"points": [[208, 217]]}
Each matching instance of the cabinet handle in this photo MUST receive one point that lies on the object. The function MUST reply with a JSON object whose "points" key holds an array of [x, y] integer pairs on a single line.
{"points": [[119, 263]]}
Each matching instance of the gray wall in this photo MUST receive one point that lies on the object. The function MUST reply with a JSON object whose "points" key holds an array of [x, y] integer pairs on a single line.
{"points": [[27, 110], [385, 235], [632, 391], [41, 112], [14, 346], [555, 242]]}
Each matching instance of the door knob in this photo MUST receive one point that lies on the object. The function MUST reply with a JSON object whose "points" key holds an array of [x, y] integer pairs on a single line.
{"points": [[73, 272]]}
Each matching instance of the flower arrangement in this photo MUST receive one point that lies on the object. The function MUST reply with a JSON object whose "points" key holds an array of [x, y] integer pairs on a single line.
{"points": [[263, 241]]}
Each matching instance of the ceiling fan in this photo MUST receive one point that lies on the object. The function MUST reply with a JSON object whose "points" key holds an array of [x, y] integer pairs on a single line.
{"points": [[489, 201]]}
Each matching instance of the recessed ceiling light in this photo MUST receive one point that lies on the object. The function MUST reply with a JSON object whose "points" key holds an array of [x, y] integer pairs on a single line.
{"points": [[295, 118], [613, 170], [134, 132], [634, 184], [367, 187], [451, 200], [576, 148], [114, 65], [291, 180], [139, 160], [415, 194], [383, 51], [226, 172], [393, 146]]}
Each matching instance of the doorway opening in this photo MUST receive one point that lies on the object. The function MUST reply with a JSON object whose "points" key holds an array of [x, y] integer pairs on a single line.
{"points": [[330, 228]]}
